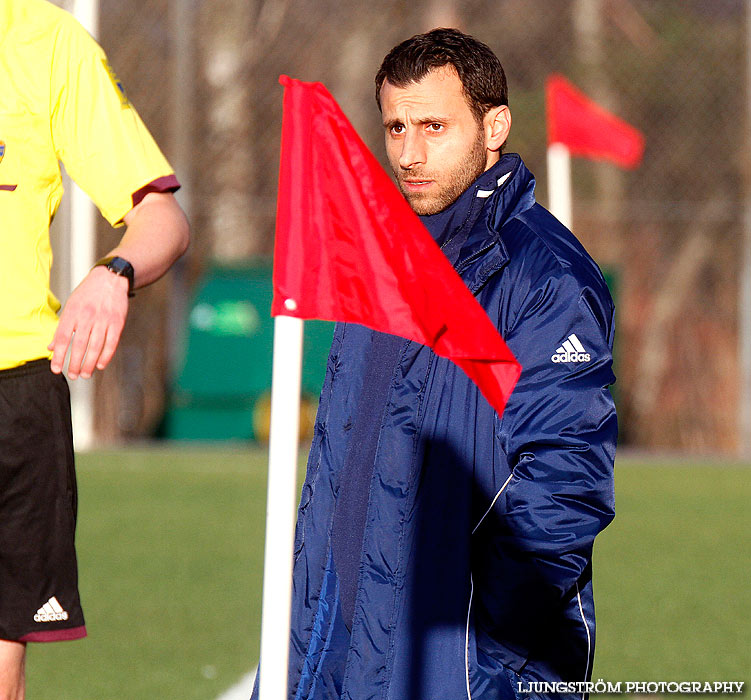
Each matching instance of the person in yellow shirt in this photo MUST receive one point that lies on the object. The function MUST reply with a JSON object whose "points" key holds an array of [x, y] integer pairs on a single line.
{"points": [[60, 102]]}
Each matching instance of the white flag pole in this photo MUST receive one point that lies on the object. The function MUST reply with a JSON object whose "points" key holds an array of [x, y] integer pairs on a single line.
{"points": [[559, 184], [83, 219], [280, 505]]}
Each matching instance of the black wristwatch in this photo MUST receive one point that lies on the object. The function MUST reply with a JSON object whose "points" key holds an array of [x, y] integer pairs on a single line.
{"points": [[121, 267]]}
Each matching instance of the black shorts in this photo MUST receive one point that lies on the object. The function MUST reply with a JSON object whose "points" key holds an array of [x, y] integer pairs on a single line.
{"points": [[39, 599]]}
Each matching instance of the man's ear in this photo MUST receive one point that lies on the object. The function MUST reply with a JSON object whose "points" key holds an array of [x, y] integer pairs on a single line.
{"points": [[497, 124]]}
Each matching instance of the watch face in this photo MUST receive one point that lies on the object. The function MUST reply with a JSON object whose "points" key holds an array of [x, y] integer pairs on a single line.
{"points": [[122, 267]]}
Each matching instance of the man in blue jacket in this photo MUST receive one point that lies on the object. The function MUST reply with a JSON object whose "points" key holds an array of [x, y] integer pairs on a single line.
{"points": [[443, 552]]}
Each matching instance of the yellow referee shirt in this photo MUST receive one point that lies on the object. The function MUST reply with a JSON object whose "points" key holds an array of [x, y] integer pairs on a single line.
{"points": [[59, 101]]}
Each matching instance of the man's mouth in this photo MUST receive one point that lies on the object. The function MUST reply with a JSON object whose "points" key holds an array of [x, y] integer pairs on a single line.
{"points": [[415, 185]]}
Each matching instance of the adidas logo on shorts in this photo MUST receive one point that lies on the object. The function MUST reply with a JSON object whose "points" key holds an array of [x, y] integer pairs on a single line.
{"points": [[51, 611]]}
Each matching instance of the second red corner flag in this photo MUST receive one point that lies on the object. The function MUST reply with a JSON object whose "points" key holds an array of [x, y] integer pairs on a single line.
{"points": [[349, 248], [587, 129]]}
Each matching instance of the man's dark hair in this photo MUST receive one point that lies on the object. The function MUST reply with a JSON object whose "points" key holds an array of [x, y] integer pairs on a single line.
{"points": [[480, 71]]}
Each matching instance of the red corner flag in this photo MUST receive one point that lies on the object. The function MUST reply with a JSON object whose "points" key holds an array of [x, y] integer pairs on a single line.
{"points": [[587, 129], [349, 248]]}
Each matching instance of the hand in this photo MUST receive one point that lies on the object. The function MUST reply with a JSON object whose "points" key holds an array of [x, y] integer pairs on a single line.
{"points": [[91, 323]]}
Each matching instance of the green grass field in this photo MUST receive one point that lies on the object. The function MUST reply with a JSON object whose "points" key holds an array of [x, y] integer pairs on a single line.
{"points": [[170, 544], [673, 574]]}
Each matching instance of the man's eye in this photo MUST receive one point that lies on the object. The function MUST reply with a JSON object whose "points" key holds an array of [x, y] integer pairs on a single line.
{"points": [[435, 127], [397, 129]]}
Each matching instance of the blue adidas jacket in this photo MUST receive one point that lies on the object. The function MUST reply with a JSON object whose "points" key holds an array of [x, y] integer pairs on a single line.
{"points": [[473, 570]]}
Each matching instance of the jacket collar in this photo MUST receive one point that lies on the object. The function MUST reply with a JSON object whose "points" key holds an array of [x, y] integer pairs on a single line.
{"points": [[451, 226], [508, 188], [469, 230]]}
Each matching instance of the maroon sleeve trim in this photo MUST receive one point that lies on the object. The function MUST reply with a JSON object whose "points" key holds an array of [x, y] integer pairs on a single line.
{"points": [[55, 635], [8, 188], [168, 183]]}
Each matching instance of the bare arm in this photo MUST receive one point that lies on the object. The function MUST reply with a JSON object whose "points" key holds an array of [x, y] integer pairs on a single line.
{"points": [[93, 318]]}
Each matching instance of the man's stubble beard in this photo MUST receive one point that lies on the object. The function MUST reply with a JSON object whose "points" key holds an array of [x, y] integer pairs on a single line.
{"points": [[468, 170]]}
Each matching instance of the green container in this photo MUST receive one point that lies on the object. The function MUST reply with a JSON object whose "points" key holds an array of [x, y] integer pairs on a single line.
{"points": [[222, 389]]}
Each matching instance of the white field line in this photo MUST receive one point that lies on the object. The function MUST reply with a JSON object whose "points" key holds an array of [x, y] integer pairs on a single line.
{"points": [[242, 690]]}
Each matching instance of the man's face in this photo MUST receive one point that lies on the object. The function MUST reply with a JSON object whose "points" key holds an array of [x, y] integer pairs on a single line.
{"points": [[434, 144]]}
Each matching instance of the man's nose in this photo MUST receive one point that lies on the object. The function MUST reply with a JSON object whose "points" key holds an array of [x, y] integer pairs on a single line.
{"points": [[413, 150]]}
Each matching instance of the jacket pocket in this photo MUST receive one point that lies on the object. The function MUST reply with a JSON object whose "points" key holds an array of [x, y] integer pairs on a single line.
{"points": [[492, 672]]}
